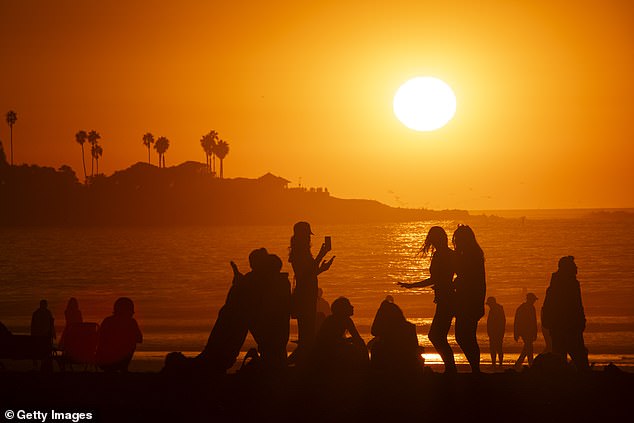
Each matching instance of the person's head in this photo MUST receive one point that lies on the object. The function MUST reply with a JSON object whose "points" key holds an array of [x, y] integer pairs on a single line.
{"points": [[43, 304], [258, 259], [73, 304], [274, 263], [567, 266], [531, 298], [464, 241], [341, 307], [491, 301], [436, 239], [391, 313], [124, 307], [300, 241]]}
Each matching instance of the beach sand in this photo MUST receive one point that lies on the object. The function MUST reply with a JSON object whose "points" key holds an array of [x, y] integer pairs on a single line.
{"points": [[601, 395]]}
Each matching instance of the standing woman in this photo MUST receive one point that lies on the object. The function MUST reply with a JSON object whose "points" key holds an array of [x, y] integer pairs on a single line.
{"points": [[304, 298], [470, 284], [441, 273]]}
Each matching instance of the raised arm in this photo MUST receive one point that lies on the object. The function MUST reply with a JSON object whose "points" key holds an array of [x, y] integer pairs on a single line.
{"points": [[421, 284]]}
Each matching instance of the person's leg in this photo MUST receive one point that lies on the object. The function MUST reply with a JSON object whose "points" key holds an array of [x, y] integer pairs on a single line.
{"points": [[493, 350], [466, 329], [438, 336], [529, 352], [520, 359], [579, 352]]}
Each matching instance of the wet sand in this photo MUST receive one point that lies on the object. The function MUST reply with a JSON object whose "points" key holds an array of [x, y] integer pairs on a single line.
{"points": [[601, 395]]}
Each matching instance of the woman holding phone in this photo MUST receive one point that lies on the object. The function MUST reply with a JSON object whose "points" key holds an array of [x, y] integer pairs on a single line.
{"points": [[304, 298], [441, 272]]}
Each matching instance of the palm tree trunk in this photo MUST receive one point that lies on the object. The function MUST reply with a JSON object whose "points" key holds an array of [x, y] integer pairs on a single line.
{"points": [[11, 129], [83, 161], [213, 171], [148, 154], [92, 166], [97, 161], [221, 176]]}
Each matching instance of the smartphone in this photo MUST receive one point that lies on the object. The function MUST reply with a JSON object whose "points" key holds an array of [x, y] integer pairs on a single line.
{"points": [[328, 243]]}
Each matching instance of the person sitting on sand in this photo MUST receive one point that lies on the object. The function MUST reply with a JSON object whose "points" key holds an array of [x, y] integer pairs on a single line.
{"points": [[394, 350], [496, 326], [73, 316], [118, 336], [563, 314], [43, 322], [333, 350], [525, 327]]}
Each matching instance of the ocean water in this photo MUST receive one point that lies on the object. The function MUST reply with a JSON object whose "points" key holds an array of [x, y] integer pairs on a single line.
{"points": [[179, 276]]}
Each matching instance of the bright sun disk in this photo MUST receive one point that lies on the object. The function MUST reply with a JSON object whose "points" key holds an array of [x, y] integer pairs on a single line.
{"points": [[424, 103]]}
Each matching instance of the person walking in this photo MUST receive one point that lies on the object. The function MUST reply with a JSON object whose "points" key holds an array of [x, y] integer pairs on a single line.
{"points": [[525, 327], [496, 326]]}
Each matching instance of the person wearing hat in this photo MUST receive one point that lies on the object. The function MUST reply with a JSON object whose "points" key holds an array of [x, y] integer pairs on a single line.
{"points": [[525, 327], [563, 314], [496, 326], [306, 268]]}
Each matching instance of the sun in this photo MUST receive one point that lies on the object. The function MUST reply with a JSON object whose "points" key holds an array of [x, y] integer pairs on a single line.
{"points": [[424, 103]]}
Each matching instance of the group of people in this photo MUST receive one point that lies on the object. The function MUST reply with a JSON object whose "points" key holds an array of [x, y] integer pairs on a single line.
{"points": [[562, 319], [110, 345], [263, 300]]}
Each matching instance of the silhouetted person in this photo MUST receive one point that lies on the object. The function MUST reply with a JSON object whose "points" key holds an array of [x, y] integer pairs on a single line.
{"points": [[306, 268], [43, 323], [73, 316], [235, 316], [525, 327], [323, 309], [118, 336], [441, 271], [272, 313], [470, 285], [496, 326], [563, 313], [394, 350], [332, 349]]}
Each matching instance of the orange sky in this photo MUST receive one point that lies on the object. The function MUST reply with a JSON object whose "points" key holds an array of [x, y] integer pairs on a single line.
{"points": [[545, 93]]}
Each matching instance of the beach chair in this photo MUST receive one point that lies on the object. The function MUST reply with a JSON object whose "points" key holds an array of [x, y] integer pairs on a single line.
{"points": [[80, 345]]}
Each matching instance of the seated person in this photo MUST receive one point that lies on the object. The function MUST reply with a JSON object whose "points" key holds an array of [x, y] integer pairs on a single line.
{"points": [[395, 348], [333, 350], [118, 336]]}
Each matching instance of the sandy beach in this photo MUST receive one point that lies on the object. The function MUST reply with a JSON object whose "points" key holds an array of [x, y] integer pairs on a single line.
{"points": [[536, 395]]}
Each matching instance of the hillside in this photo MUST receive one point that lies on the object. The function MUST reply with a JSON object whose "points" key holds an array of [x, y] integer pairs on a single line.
{"points": [[178, 195]]}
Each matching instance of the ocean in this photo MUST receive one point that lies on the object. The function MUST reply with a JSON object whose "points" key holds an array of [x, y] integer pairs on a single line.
{"points": [[178, 277]]}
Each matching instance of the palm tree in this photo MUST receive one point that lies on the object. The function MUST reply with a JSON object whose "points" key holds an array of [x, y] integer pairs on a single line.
{"points": [[96, 152], [148, 140], [208, 142], [12, 117], [80, 137], [221, 150], [161, 146], [93, 138]]}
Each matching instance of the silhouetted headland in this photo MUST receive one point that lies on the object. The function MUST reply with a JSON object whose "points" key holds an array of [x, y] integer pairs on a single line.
{"points": [[185, 194]]}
